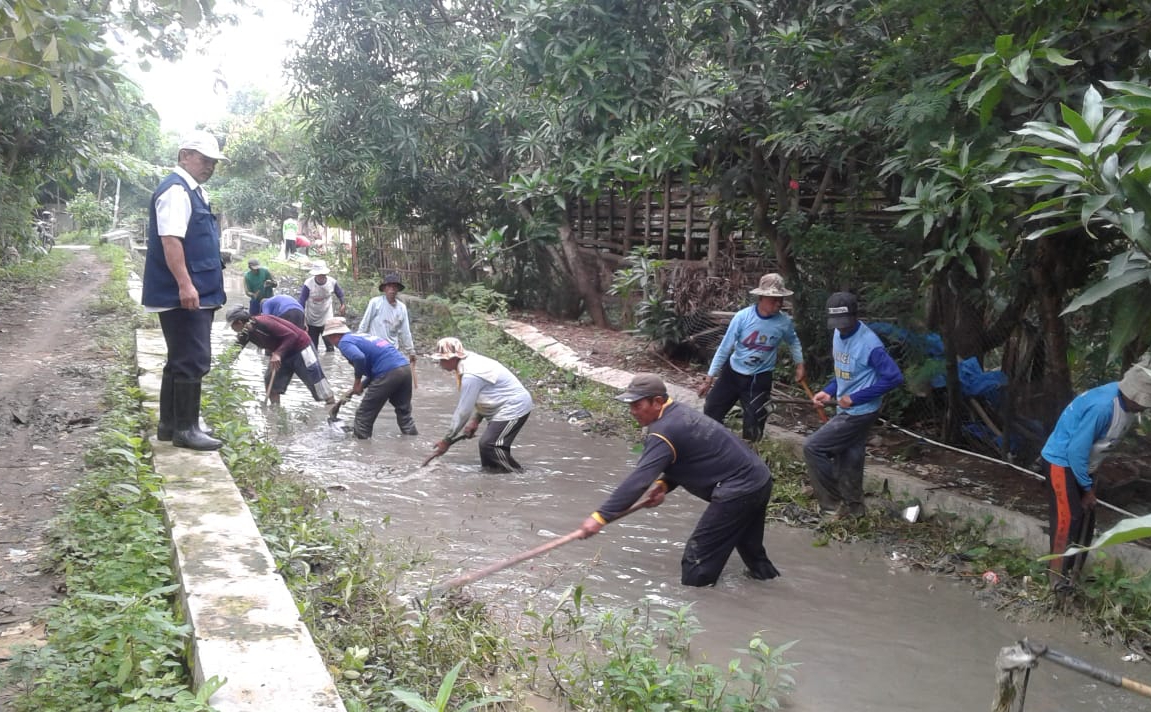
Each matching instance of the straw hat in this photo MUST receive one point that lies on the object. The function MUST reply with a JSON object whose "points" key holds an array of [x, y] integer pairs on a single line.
{"points": [[449, 347], [771, 285], [335, 325]]}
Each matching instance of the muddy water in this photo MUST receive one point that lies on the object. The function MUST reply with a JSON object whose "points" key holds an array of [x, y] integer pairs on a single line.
{"points": [[871, 636]]}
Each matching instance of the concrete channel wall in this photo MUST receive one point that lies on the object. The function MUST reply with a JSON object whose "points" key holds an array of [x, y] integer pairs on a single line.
{"points": [[245, 625], [1003, 523]]}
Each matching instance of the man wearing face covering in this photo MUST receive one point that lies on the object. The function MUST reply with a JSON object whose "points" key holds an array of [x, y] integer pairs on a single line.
{"points": [[864, 372]]}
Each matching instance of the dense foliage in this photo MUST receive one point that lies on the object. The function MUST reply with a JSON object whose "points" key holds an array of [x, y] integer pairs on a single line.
{"points": [[859, 142], [68, 117]]}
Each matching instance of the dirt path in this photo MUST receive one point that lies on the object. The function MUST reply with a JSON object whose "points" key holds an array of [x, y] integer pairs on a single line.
{"points": [[51, 382]]}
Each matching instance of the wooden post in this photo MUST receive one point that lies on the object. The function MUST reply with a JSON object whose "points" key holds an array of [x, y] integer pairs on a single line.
{"points": [[666, 216], [355, 262], [610, 215], [647, 217], [628, 226], [714, 231], [595, 218], [579, 217], [688, 209]]}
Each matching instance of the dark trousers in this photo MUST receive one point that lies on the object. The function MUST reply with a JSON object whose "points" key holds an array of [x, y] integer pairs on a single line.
{"points": [[188, 335], [733, 524], [394, 386], [496, 445], [306, 365], [315, 332], [1068, 520], [753, 393], [254, 306], [296, 316], [834, 456]]}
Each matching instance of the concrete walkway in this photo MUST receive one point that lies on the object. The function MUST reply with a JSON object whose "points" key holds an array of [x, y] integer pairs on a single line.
{"points": [[245, 625], [1003, 523]]}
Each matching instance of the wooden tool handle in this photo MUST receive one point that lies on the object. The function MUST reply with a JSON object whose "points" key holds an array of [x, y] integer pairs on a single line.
{"points": [[523, 555], [820, 411], [271, 379], [511, 561]]}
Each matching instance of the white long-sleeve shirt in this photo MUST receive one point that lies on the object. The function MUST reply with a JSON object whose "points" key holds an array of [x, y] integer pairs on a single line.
{"points": [[487, 387], [388, 321]]}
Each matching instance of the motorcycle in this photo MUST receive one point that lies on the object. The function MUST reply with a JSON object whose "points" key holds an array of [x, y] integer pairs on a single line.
{"points": [[45, 235]]}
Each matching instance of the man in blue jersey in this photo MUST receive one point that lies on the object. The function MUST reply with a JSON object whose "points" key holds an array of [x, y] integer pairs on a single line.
{"points": [[684, 448], [1086, 430], [382, 375], [745, 360], [864, 371]]}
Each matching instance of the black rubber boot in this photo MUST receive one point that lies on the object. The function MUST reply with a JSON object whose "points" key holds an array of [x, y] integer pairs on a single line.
{"points": [[167, 419], [187, 411]]}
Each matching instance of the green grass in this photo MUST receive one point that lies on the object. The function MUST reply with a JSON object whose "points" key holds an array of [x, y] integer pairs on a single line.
{"points": [[16, 280], [116, 642]]}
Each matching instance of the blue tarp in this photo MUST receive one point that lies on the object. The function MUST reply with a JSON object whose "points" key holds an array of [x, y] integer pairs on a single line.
{"points": [[973, 380]]}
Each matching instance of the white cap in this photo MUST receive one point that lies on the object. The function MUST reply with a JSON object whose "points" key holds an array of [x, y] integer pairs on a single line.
{"points": [[203, 143], [1136, 385]]}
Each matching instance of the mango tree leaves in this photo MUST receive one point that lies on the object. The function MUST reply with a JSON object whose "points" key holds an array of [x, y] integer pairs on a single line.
{"points": [[1125, 531], [61, 45]]}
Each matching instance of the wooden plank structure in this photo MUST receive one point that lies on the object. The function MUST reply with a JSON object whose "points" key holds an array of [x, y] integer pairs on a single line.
{"points": [[676, 219], [417, 255]]}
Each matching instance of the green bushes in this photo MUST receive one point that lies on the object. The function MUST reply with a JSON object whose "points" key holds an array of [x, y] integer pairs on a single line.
{"points": [[639, 659], [116, 642]]}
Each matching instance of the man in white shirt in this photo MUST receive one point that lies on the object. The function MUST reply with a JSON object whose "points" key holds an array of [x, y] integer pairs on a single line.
{"points": [[487, 390], [386, 317], [184, 285]]}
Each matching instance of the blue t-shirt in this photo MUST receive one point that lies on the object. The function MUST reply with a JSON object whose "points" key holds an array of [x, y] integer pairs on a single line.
{"points": [[1088, 427], [371, 357], [751, 342], [277, 305]]}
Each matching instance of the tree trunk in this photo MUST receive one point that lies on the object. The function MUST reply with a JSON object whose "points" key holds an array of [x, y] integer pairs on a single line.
{"points": [[586, 282], [945, 322], [463, 257], [1047, 275]]}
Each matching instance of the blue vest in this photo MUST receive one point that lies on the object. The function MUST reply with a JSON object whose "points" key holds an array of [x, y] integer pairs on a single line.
{"points": [[201, 254]]}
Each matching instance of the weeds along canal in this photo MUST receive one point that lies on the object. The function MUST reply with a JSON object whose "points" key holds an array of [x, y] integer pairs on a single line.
{"points": [[871, 635]]}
